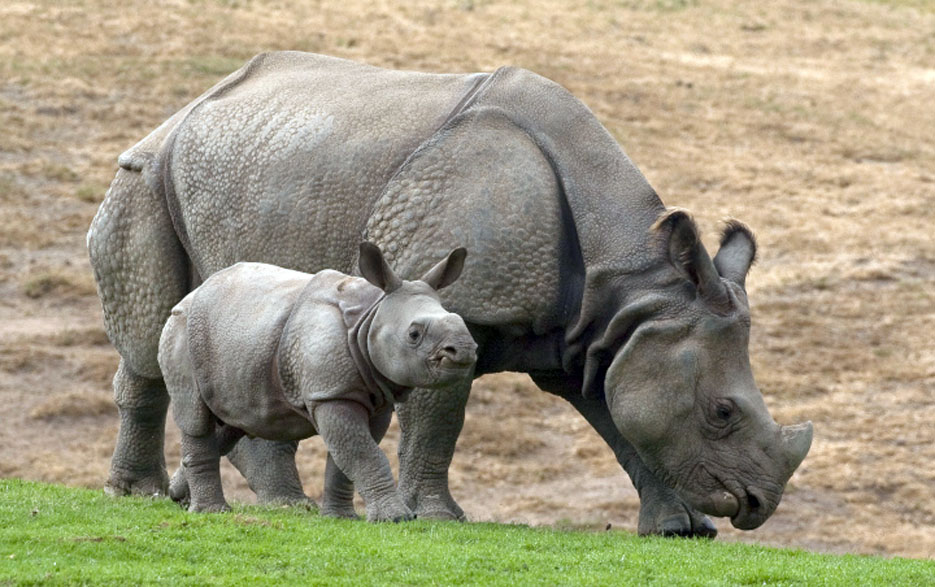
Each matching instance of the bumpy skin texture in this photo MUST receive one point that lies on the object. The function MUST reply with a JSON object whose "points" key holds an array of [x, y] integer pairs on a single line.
{"points": [[575, 266], [265, 351]]}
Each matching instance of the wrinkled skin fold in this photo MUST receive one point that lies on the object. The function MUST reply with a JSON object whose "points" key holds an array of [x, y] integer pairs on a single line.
{"points": [[578, 275]]}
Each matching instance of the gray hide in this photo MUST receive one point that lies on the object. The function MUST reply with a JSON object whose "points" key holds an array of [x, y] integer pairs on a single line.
{"points": [[283, 355], [578, 276]]}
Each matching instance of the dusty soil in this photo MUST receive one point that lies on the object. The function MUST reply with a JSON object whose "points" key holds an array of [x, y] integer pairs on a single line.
{"points": [[811, 121]]}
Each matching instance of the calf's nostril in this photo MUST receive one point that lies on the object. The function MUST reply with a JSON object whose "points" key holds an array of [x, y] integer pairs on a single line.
{"points": [[450, 352]]}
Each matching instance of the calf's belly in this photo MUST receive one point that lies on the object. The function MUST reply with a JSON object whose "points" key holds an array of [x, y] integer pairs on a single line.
{"points": [[261, 415]]}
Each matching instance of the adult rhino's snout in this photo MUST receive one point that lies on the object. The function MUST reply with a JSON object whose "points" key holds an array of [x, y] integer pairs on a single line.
{"points": [[757, 502]]}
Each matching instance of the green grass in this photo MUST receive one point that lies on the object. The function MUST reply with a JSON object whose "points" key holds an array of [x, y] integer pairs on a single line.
{"points": [[55, 535]]}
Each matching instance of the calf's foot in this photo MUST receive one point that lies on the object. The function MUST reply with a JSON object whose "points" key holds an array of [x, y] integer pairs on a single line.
{"points": [[178, 487]]}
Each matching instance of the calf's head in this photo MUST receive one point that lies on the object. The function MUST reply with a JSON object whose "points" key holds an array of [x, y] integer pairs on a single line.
{"points": [[413, 341], [681, 390]]}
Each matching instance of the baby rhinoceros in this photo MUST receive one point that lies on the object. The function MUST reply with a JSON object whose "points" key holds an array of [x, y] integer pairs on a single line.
{"points": [[283, 355]]}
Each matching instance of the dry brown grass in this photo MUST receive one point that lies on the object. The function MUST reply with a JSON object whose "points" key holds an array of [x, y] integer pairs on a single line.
{"points": [[71, 405], [810, 121]]}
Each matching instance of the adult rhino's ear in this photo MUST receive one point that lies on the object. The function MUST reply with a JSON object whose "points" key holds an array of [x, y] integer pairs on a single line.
{"points": [[447, 271], [685, 252], [737, 252], [375, 269]]}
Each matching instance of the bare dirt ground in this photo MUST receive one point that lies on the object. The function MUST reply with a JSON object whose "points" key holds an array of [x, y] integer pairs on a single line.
{"points": [[813, 122]]}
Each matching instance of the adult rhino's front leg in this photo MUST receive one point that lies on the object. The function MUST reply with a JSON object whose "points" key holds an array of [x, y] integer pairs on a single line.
{"points": [[430, 422], [662, 511]]}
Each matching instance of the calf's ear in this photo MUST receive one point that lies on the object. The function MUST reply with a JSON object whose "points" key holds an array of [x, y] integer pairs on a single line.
{"points": [[737, 252], [375, 269], [447, 271]]}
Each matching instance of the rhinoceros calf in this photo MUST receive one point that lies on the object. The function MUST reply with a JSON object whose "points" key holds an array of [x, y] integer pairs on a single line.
{"points": [[283, 355]]}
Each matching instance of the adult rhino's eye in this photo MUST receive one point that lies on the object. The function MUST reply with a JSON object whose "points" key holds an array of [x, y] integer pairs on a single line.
{"points": [[724, 411]]}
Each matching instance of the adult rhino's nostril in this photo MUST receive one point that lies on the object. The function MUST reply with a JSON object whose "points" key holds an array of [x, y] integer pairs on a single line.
{"points": [[753, 503], [450, 352]]}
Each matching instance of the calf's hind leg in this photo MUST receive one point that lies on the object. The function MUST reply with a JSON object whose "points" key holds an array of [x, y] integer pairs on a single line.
{"points": [[201, 460], [179, 489]]}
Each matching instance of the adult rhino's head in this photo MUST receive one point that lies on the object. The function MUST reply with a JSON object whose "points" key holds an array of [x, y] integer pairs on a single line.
{"points": [[680, 387], [413, 340]]}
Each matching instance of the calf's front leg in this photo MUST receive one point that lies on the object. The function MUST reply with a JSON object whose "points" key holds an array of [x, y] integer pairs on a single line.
{"points": [[345, 428], [338, 498]]}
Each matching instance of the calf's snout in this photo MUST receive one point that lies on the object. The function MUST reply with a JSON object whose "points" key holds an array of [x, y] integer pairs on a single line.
{"points": [[461, 352]]}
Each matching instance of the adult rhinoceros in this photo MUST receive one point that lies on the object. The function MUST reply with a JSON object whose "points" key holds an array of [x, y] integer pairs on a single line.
{"points": [[577, 274]]}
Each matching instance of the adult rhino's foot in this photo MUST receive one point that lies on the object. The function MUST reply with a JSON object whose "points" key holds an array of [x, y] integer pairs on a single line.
{"points": [[343, 511], [150, 484], [211, 507], [665, 514], [138, 466], [435, 505], [269, 468], [430, 422], [389, 510]]}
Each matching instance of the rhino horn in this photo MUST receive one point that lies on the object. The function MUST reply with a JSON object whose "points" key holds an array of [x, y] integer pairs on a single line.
{"points": [[796, 440]]}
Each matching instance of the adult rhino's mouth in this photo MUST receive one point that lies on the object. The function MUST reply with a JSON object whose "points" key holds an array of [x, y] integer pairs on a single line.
{"points": [[747, 507], [722, 502]]}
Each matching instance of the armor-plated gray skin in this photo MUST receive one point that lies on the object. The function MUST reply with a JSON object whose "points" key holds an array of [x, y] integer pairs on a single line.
{"points": [[578, 275], [283, 355]]}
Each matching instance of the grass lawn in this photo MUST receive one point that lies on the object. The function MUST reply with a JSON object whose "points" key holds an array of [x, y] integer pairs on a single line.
{"points": [[50, 534]]}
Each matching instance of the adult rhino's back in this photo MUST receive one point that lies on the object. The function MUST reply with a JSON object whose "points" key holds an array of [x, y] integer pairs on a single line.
{"points": [[265, 165]]}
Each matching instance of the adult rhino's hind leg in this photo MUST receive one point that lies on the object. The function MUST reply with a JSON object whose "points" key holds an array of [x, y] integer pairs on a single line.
{"points": [[430, 422], [141, 272], [662, 511], [138, 465]]}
